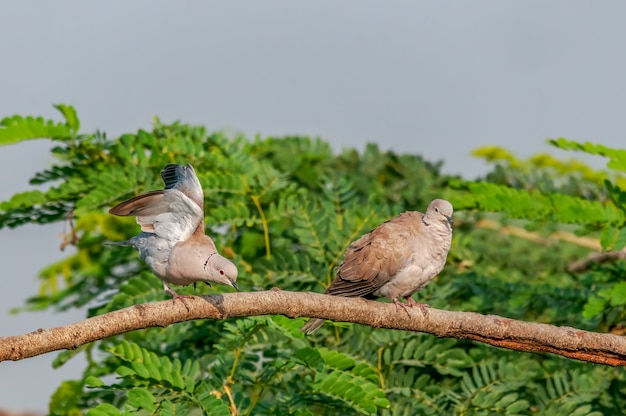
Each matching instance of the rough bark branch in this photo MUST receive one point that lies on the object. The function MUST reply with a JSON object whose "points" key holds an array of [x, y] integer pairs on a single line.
{"points": [[494, 330]]}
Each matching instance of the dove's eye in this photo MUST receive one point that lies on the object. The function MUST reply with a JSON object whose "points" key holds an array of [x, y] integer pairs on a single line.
{"points": [[436, 209], [222, 272]]}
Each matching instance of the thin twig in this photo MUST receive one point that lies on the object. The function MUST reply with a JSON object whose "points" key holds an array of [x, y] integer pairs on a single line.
{"points": [[595, 258]]}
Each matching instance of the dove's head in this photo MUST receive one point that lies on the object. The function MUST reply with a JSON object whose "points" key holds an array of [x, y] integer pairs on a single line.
{"points": [[440, 211], [221, 270]]}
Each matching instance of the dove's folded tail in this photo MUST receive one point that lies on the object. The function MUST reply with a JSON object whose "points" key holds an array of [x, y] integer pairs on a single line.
{"points": [[119, 243], [312, 326]]}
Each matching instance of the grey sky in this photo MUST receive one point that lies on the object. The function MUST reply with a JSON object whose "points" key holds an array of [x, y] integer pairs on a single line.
{"points": [[436, 78]]}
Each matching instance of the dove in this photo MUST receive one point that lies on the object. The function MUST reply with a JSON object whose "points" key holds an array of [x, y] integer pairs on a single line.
{"points": [[395, 260], [172, 240]]}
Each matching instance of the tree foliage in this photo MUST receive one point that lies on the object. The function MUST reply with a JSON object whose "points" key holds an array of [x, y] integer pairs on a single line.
{"points": [[284, 210]]}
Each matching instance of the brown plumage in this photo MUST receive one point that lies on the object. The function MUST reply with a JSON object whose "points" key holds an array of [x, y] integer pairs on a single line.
{"points": [[397, 259]]}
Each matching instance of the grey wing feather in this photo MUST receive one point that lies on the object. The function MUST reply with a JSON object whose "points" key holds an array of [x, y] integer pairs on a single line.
{"points": [[170, 175], [184, 179], [168, 213]]}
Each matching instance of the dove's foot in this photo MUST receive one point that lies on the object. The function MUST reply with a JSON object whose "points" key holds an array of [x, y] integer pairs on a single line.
{"points": [[409, 304], [423, 306], [402, 305], [180, 297]]}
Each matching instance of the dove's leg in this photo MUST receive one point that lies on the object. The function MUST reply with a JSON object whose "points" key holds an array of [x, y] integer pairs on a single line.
{"points": [[176, 295], [411, 302], [423, 306], [206, 283]]}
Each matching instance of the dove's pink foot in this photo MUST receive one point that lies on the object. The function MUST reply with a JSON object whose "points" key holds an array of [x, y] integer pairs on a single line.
{"points": [[409, 304], [423, 306], [402, 305], [177, 296], [410, 301]]}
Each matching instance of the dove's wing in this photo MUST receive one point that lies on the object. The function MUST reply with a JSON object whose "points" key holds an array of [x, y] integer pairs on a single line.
{"points": [[183, 179], [174, 213], [168, 213], [375, 258]]}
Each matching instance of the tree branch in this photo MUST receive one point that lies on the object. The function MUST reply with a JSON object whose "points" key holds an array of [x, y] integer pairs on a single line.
{"points": [[596, 258], [501, 332]]}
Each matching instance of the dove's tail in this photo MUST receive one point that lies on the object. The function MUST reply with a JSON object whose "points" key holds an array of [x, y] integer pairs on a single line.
{"points": [[312, 326], [119, 243]]}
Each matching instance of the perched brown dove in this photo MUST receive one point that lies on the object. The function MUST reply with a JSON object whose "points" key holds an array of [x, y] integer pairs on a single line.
{"points": [[397, 259], [172, 241]]}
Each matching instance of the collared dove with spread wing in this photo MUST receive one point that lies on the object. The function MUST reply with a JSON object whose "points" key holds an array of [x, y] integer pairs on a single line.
{"points": [[173, 242]]}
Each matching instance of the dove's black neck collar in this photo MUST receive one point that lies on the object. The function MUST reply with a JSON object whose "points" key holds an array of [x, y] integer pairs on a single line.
{"points": [[207, 260], [425, 220], [446, 222]]}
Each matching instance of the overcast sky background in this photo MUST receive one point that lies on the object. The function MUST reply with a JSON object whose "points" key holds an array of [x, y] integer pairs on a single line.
{"points": [[434, 78]]}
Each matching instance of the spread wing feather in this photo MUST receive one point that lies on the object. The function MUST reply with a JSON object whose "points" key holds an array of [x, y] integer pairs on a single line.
{"points": [[169, 213], [174, 213], [184, 179]]}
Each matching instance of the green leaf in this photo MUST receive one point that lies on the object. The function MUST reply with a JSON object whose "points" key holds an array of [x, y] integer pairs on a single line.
{"points": [[65, 399], [71, 118], [617, 157], [287, 326], [620, 242], [360, 394], [608, 237], [92, 381], [141, 399], [311, 357], [519, 406], [618, 294], [534, 205], [594, 307], [210, 404], [17, 129], [103, 409], [173, 409]]}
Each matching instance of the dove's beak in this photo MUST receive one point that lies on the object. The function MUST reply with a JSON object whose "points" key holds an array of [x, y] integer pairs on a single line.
{"points": [[234, 284]]}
